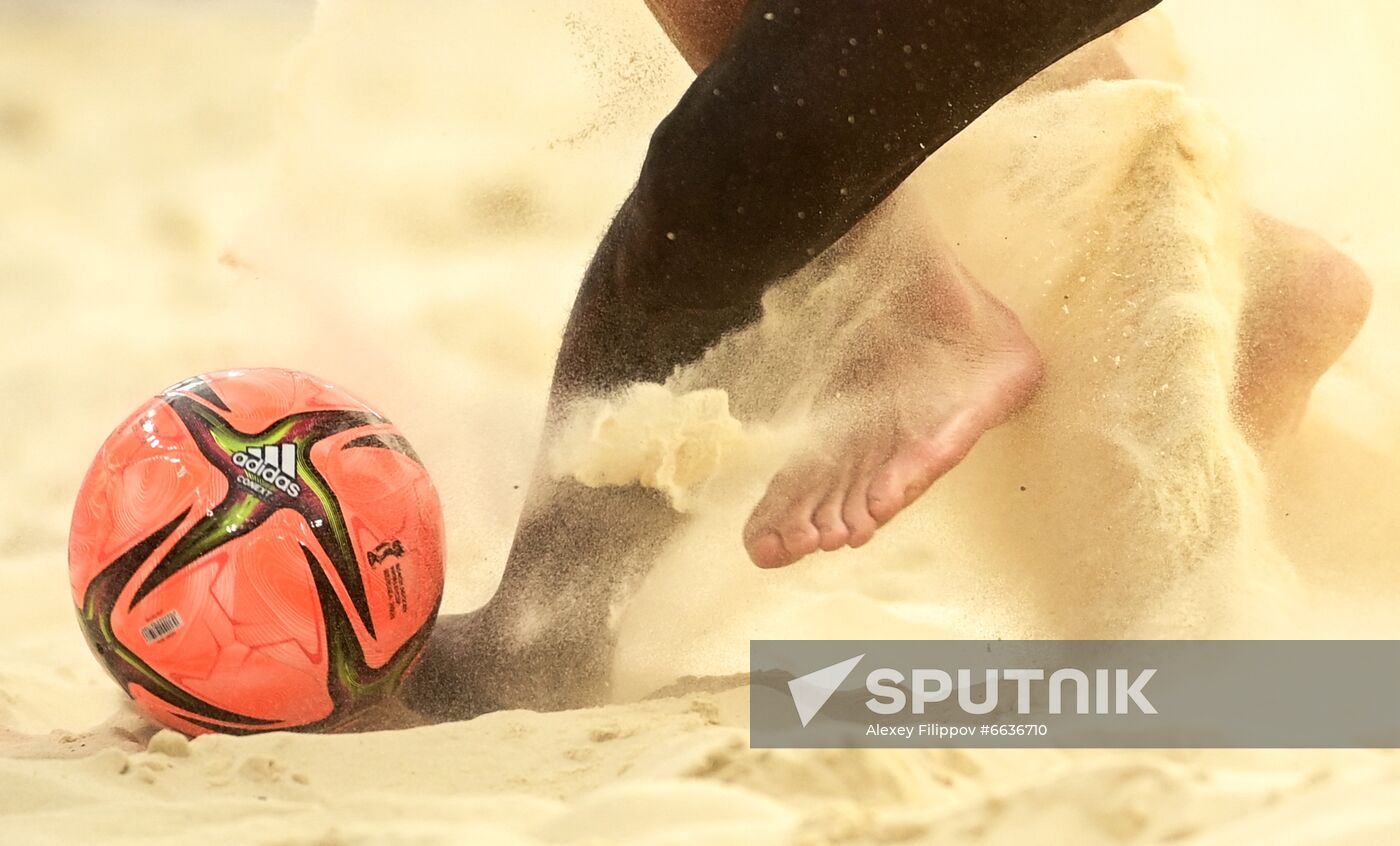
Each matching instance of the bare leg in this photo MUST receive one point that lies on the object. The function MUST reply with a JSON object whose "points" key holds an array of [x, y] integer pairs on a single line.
{"points": [[809, 117]]}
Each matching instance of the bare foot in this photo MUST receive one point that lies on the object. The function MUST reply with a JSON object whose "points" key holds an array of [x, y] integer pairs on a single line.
{"points": [[1305, 304], [945, 363]]}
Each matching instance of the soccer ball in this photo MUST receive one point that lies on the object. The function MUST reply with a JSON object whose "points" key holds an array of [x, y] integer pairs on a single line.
{"points": [[256, 550]]}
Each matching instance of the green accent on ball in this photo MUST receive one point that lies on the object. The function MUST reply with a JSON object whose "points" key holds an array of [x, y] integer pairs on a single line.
{"points": [[351, 682], [96, 619]]}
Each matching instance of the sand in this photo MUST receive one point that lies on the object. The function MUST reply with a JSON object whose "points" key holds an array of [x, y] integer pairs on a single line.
{"points": [[423, 191]]}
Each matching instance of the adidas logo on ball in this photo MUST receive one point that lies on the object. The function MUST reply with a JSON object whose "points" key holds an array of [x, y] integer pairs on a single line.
{"points": [[275, 464]]}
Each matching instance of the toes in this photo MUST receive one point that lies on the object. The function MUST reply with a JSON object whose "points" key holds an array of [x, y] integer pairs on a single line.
{"points": [[916, 465], [860, 523], [886, 495], [766, 550], [905, 476], [832, 533], [779, 543], [780, 530], [799, 536]]}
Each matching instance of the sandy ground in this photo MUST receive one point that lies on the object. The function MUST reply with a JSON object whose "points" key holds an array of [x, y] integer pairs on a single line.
{"points": [[423, 190]]}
